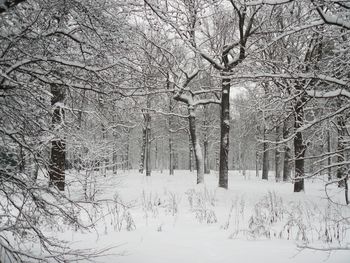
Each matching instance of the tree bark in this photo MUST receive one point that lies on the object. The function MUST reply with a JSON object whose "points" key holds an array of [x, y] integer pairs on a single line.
{"points": [[58, 147], [329, 159], [225, 132], [277, 156], [341, 169], [257, 160], [171, 155], [148, 144], [206, 143], [196, 145], [190, 164], [299, 147], [287, 154], [206, 157], [143, 150], [265, 170]]}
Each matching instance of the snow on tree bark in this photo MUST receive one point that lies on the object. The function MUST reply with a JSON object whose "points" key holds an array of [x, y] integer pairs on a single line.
{"points": [[58, 146], [196, 145], [287, 153], [225, 131], [265, 169], [277, 156], [299, 147]]}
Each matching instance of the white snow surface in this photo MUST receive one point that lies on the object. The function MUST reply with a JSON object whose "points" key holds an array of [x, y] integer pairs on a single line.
{"points": [[170, 219]]}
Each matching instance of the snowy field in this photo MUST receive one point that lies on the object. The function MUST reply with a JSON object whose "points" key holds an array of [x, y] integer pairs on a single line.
{"points": [[170, 219]]}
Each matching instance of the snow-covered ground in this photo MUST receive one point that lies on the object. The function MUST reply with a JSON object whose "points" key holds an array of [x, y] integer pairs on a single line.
{"points": [[170, 219]]}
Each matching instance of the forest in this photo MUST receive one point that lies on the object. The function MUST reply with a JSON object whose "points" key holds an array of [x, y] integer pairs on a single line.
{"points": [[177, 120]]}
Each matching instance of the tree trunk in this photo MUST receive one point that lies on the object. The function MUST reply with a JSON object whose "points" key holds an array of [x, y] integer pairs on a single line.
{"points": [[265, 169], [171, 154], [127, 154], [58, 147], [115, 160], [190, 154], [299, 147], [104, 159], [148, 144], [196, 145], [143, 150], [277, 156], [341, 169], [206, 157], [329, 159], [257, 159], [287, 154], [225, 133], [156, 163], [206, 143]]}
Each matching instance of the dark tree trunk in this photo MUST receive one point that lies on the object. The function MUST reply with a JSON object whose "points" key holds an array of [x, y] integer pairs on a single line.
{"points": [[127, 154], [156, 166], [148, 144], [287, 154], [104, 158], [346, 189], [225, 133], [196, 145], [58, 147], [206, 157], [299, 147], [257, 159], [190, 154], [171, 150], [277, 156], [265, 170], [206, 142], [115, 160], [341, 169], [143, 149], [171, 155], [329, 159]]}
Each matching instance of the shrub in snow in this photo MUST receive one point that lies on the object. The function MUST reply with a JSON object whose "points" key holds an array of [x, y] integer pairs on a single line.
{"points": [[202, 203], [172, 203], [121, 216], [150, 204], [267, 211]]}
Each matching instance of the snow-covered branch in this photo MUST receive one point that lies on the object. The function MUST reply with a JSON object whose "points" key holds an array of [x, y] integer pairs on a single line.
{"points": [[268, 2], [329, 94], [333, 19]]}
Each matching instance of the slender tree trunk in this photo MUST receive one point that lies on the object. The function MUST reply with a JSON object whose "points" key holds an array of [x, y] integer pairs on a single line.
{"points": [[156, 166], [256, 162], [143, 150], [265, 170], [329, 159], [277, 156], [225, 133], [341, 169], [287, 154], [104, 161], [148, 144], [127, 154], [171, 155], [196, 145], [299, 147], [206, 142], [190, 154], [115, 160], [58, 147], [206, 157]]}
